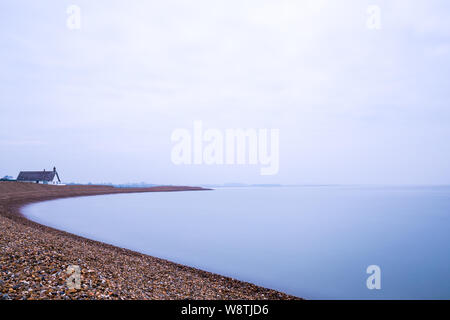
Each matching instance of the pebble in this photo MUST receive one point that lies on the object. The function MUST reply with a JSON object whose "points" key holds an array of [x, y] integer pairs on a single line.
{"points": [[34, 259]]}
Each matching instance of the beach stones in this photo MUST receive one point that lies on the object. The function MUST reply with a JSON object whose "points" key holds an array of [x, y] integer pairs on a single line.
{"points": [[5, 297], [34, 260]]}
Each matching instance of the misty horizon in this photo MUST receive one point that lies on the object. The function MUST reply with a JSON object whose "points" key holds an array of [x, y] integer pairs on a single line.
{"points": [[352, 104]]}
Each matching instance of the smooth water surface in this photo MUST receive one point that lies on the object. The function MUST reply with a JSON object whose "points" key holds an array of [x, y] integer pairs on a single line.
{"points": [[313, 242]]}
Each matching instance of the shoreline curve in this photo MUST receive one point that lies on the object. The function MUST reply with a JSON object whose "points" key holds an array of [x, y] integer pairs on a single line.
{"points": [[34, 258]]}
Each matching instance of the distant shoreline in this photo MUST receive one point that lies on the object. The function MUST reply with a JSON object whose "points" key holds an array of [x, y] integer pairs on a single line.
{"points": [[39, 255]]}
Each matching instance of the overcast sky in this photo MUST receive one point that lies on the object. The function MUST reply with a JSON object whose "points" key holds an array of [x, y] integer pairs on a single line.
{"points": [[352, 104]]}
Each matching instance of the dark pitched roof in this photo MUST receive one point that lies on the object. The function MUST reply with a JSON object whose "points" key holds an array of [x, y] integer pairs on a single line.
{"points": [[36, 176]]}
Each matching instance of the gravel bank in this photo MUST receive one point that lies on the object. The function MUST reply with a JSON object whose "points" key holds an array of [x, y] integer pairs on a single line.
{"points": [[34, 258]]}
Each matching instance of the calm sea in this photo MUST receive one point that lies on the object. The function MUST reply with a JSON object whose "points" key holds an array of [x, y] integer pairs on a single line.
{"points": [[313, 242]]}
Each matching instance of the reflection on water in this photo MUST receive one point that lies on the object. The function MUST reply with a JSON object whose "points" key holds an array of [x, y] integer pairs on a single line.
{"points": [[313, 242]]}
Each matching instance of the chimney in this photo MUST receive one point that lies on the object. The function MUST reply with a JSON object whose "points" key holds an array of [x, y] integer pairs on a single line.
{"points": [[54, 169]]}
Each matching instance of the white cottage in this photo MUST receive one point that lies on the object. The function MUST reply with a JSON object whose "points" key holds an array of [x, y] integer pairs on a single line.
{"points": [[44, 177]]}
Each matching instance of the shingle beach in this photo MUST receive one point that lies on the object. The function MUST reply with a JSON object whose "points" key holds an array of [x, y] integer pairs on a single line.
{"points": [[34, 258]]}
